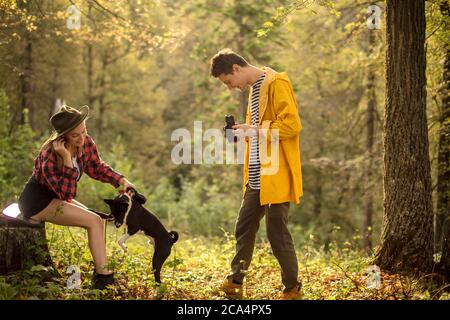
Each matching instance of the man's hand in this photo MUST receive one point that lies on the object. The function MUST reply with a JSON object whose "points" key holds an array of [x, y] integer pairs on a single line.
{"points": [[246, 130]]}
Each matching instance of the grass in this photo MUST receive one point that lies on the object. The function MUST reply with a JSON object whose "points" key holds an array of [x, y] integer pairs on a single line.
{"points": [[197, 267]]}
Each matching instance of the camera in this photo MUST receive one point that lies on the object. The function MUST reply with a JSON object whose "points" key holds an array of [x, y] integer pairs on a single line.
{"points": [[229, 123]]}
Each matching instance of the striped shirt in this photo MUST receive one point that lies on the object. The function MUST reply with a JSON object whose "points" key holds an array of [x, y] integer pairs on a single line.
{"points": [[254, 164]]}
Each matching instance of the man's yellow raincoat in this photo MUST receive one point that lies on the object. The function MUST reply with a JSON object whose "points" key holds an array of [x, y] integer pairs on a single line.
{"points": [[281, 173]]}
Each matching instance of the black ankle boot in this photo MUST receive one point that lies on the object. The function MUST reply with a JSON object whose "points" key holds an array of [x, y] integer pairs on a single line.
{"points": [[101, 281]]}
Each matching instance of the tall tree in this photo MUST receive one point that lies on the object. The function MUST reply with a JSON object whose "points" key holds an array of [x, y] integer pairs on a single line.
{"points": [[370, 124], [26, 71], [89, 60], [442, 223], [407, 235]]}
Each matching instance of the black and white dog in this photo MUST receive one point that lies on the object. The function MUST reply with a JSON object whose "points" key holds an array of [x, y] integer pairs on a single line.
{"points": [[127, 209]]}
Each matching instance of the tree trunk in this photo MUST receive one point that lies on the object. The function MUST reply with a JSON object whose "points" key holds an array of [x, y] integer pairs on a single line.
{"points": [[442, 223], [243, 96], [22, 246], [25, 82], [370, 124], [318, 192], [90, 67], [54, 85], [243, 101], [26, 69], [407, 238], [318, 195], [101, 97], [90, 85]]}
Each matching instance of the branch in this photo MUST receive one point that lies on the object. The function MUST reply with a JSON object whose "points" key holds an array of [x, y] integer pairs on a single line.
{"points": [[434, 31], [345, 273], [39, 8], [118, 57], [140, 26]]}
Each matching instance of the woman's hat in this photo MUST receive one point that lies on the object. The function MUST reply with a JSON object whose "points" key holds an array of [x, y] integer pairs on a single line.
{"points": [[68, 118]]}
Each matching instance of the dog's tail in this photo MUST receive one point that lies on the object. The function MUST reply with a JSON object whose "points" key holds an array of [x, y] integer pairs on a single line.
{"points": [[174, 236]]}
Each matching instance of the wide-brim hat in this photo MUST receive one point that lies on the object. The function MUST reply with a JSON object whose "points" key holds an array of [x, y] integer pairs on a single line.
{"points": [[66, 119]]}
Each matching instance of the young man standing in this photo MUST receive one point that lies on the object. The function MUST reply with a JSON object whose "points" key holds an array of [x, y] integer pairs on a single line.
{"points": [[272, 114]]}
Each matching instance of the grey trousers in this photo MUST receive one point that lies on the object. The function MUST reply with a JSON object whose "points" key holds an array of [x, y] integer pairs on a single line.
{"points": [[280, 238]]}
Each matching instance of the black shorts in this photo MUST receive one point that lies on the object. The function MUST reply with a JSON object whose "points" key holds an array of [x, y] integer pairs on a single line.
{"points": [[35, 197]]}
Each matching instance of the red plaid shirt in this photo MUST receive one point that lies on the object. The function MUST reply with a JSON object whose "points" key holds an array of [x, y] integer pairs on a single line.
{"points": [[64, 181]]}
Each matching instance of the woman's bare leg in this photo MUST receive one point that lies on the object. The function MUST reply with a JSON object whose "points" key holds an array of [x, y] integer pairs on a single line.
{"points": [[78, 203], [67, 214]]}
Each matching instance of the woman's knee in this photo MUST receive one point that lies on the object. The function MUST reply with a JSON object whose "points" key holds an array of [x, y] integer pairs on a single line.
{"points": [[74, 215], [94, 221]]}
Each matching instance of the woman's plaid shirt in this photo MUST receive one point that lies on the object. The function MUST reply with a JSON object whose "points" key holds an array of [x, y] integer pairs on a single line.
{"points": [[64, 181]]}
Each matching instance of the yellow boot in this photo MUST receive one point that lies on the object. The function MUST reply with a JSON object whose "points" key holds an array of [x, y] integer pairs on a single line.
{"points": [[231, 289], [293, 294]]}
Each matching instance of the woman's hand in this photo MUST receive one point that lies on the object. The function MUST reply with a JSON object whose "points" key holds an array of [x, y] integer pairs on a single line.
{"points": [[60, 148], [125, 184]]}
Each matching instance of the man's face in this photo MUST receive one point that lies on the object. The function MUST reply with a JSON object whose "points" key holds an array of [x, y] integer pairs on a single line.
{"points": [[235, 80]]}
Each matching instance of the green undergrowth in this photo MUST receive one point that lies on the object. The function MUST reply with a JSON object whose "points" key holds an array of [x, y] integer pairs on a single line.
{"points": [[197, 267]]}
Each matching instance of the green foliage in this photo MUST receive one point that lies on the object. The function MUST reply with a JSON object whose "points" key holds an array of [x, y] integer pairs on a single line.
{"points": [[7, 291], [143, 80], [138, 96], [202, 209], [197, 267], [17, 147]]}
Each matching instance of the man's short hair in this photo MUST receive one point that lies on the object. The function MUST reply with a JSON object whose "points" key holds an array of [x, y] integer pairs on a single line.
{"points": [[223, 62]]}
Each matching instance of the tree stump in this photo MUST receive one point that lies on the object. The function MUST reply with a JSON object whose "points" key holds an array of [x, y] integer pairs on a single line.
{"points": [[22, 245]]}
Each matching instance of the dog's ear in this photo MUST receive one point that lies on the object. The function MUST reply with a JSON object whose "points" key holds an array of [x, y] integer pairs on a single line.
{"points": [[139, 198], [109, 202]]}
